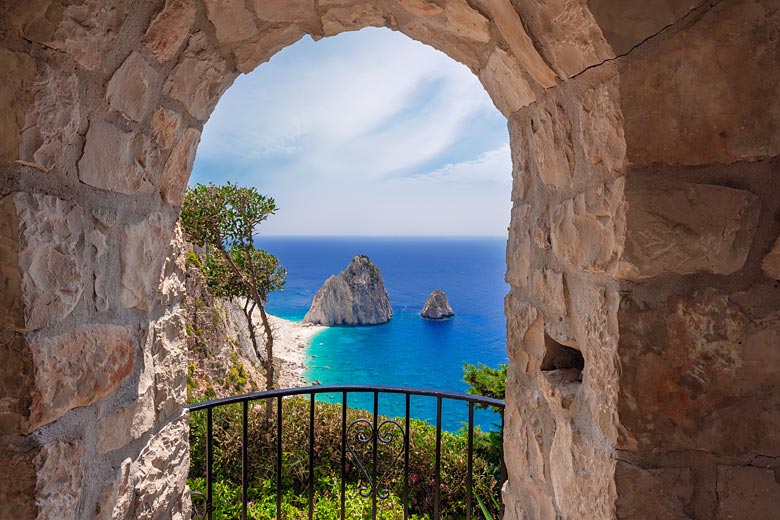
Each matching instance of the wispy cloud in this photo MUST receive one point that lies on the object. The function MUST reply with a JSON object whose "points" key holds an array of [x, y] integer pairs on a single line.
{"points": [[343, 119]]}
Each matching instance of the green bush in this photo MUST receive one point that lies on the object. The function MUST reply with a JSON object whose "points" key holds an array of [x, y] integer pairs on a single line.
{"points": [[327, 450]]}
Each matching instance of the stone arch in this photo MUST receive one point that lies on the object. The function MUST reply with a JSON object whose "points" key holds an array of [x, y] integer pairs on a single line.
{"points": [[644, 234]]}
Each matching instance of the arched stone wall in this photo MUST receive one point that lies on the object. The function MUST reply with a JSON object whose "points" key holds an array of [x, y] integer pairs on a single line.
{"points": [[644, 234]]}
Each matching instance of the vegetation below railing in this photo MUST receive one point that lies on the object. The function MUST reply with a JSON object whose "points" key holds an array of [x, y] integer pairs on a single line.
{"points": [[227, 465]]}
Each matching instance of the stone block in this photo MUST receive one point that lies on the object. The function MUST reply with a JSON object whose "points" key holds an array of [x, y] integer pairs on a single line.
{"points": [[566, 34], [170, 28], [698, 373], [231, 19], [270, 41], [338, 19], [587, 231], [199, 78], [11, 100], [160, 471], [504, 15], [518, 249], [53, 120], [504, 80], [701, 113], [116, 498], [165, 126], [302, 12], [43, 260], [771, 262], [422, 8], [654, 493], [547, 148], [463, 21], [601, 129], [118, 161], [132, 87], [685, 228], [747, 492], [141, 257], [17, 382], [78, 368], [177, 169], [630, 22], [127, 423]]}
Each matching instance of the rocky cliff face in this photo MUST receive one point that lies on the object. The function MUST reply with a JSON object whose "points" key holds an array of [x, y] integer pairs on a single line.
{"points": [[437, 307], [357, 296]]}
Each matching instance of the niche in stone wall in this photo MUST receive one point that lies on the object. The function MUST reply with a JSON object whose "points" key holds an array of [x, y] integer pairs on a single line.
{"points": [[561, 365]]}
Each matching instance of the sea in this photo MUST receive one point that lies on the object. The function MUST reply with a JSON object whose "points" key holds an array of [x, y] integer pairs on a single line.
{"points": [[408, 350]]}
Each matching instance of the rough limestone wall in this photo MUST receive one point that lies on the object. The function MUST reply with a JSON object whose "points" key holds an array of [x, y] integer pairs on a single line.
{"points": [[645, 235], [643, 137]]}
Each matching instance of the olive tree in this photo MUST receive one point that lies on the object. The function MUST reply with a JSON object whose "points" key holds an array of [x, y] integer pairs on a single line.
{"points": [[224, 220]]}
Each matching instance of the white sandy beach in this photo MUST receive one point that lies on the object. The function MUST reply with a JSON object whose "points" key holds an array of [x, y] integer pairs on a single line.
{"points": [[291, 339]]}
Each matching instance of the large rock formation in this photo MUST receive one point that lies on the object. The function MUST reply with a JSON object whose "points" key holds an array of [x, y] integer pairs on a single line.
{"points": [[357, 296], [437, 307]]}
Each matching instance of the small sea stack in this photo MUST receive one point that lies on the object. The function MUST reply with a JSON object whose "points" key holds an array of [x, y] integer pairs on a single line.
{"points": [[437, 307], [357, 296]]}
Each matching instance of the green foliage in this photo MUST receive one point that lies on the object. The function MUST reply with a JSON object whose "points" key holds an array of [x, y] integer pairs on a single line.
{"points": [[327, 449], [485, 381]]}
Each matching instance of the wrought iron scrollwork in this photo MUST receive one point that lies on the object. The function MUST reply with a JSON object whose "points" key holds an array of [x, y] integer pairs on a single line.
{"points": [[362, 433], [200, 505]]}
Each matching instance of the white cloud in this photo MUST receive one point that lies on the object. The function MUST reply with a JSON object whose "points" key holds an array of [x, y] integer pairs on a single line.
{"points": [[334, 129]]}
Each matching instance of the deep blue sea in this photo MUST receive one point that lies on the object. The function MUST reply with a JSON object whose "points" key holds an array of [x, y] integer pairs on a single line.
{"points": [[408, 350]]}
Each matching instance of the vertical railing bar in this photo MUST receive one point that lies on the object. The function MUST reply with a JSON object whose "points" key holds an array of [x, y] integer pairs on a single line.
{"points": [[343, 455], [311, 458], [244, 458], [469, 481], [209, 462], [437, 491], [407, 437], [279, 458], [374, 456]]}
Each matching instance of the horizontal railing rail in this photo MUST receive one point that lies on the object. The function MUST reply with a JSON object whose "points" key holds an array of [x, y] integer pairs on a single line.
{"points": [[371, 433]]}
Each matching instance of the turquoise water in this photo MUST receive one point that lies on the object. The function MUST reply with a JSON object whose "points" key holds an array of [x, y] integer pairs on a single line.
{"points": [[407, 351]]}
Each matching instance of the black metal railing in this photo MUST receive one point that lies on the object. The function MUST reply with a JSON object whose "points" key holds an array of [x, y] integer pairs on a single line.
{"points": [[360, 437]]}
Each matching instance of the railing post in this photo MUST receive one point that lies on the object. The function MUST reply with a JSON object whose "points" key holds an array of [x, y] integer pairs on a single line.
{"points": [[209, 462], [407, 436], [437, 490], [470, 468], [279, 458], [374, 449], [343, 455], [311, 458], [244, 458]]}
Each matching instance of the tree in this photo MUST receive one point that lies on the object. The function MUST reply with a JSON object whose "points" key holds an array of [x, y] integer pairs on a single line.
{"points": [[485, 381], [224, 219]]}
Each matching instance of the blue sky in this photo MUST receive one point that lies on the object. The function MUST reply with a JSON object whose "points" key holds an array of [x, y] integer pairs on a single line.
{"points": [[367, 133]]}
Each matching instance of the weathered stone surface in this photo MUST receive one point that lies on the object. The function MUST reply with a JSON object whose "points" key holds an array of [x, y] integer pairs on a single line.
{"points": [[43, 262], [53, 120], [547, 148], [637, 20], [696, 117], [771, 263], [270, 41], [511, 28], [58, 468], [653, 494], [87, 29], [357, 296], [747, 492], [505, 82], [165, 126], [199, 78], [172, 282], [437, 307], [17, 381], [548, 293], [601, 128], [177, 169], [36, 20], [518, 249], [698, 374], [339, 19], [159, 474], [169, 353], [11, 107], [231, 19], [116, 498], [132, 87], [78, 368], [142, 253], [466, 22], [684, 228], [118, 161], [291, 11], [587, 231], [170, 28], [566, 34], [422, 8], [127, 423]]}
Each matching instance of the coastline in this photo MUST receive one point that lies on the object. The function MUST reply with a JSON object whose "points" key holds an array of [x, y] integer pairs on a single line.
{"points": [[291, 338]]}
